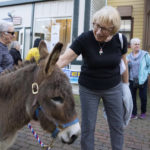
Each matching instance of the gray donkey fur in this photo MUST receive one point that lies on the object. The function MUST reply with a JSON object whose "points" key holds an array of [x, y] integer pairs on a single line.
{"points": [[18, 103]]}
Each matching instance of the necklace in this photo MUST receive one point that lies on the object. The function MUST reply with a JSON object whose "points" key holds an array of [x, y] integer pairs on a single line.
{"points": [[101, 48]]}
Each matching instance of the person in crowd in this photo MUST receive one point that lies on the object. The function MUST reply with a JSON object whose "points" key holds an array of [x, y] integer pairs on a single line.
{"points": [[100, 75], [34, 52], [6, 36], [15, 52], [139, 69]]}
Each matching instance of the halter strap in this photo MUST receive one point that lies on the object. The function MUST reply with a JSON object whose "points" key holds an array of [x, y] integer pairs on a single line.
{"points": [[70, 123], [57, 130], [37, 111]]}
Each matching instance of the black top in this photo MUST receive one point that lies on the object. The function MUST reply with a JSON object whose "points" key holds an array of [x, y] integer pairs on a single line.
{"points": [[16, 55], [99, 72]]}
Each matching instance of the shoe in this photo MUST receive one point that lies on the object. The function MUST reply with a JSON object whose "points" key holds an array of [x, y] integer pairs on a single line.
{"points": [[134, 117], [142, 116]]}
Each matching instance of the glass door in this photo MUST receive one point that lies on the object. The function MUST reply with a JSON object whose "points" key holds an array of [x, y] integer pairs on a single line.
{"points": [[21, 40]]}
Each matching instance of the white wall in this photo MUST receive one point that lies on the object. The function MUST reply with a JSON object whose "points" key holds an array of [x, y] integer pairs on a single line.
{"points": [[54, 9], [23, 11], [5, 0]]}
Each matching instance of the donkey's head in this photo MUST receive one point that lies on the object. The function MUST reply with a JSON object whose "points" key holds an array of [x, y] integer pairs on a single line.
{"points": [[53, 98]]}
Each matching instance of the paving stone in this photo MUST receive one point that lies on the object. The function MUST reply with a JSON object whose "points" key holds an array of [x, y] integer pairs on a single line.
{"points": [[137, 136]]}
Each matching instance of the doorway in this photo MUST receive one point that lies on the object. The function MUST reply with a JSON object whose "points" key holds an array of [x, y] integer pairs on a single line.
{"points": [[23, 36]]}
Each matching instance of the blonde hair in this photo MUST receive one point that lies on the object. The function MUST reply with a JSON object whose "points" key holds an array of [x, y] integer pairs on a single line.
{"points": [[108, 15], [135, 41]]}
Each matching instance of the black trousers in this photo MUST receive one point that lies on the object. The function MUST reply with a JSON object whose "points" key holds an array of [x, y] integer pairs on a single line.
{"points": [[142, 95]]}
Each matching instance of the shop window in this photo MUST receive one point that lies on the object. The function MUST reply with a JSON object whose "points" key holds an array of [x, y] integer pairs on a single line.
{"points": [[126, 28], [53, 30]]}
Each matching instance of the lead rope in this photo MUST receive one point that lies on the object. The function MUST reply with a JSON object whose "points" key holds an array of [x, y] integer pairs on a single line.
{"points": [[35, 89], [48, 147]]}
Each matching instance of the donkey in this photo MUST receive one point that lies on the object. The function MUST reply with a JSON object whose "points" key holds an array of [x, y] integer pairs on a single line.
{"points": [[40, 92]]}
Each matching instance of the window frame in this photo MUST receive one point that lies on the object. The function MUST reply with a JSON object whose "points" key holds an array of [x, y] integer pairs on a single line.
{"points": [[131, 33]]}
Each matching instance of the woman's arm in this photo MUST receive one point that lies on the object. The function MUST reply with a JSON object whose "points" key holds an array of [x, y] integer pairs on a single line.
{"points": [[125, 77], [66, 58]]}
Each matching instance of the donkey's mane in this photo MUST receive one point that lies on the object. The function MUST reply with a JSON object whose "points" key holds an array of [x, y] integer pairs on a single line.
{"points": [[11, 81], [22, 65]]}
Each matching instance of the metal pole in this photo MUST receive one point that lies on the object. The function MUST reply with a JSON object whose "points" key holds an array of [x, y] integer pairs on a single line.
{"points": [[32, 24]]}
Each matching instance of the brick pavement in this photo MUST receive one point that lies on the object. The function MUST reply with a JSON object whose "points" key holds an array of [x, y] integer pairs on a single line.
{"points": [[137, 136]]}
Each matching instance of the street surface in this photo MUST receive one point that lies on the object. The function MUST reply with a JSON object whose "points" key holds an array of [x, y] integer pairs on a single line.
{"points": [[137, 136]]}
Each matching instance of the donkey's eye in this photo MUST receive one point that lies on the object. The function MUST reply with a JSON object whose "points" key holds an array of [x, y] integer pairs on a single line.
{"points": [[57, 99]]}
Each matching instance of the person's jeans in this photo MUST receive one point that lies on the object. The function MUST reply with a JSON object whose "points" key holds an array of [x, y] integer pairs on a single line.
{"points": [[142, 95], [113, 103]]}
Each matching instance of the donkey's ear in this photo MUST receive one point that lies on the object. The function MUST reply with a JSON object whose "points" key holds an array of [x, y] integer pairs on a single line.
{"points": [[43, 49], [53, 58]]}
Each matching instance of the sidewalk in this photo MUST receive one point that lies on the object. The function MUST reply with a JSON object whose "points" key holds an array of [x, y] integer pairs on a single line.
{"points": [[137, 136]]}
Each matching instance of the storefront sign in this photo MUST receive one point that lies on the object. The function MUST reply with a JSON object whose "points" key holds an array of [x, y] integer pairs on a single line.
{"points": [[72, 75], [17, 20]]}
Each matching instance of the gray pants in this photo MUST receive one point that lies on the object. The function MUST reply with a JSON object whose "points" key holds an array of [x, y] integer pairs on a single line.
{"points": [[112, 99]]}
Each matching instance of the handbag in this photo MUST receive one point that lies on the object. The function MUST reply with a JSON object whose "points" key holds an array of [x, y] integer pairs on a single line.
{"points": [[136, 83]]}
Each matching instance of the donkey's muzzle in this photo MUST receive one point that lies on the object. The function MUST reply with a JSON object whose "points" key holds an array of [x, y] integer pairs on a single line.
{"points": [[72, 139], [70, 134]]}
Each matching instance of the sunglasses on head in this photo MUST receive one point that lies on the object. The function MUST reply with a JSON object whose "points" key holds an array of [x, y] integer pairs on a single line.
{"points": [[7, 32]]}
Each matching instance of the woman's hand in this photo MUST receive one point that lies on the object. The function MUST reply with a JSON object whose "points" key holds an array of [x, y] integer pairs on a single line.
{"points": [[66, 58]]}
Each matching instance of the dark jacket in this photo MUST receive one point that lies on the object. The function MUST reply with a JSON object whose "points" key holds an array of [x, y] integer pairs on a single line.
{"points": [[16, 55], [6, 60]]}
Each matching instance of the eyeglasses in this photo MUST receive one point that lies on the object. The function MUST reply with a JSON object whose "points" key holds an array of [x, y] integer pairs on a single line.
{"points": [[7, 32], [103, 29]]}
